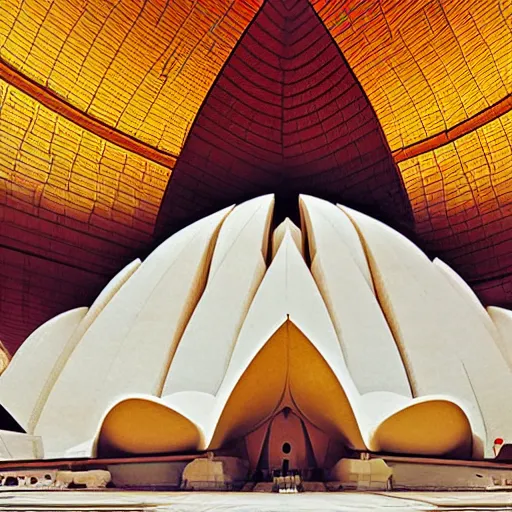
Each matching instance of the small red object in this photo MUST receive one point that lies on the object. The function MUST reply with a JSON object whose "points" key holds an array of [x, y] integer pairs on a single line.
{"points": [[497, 445]]}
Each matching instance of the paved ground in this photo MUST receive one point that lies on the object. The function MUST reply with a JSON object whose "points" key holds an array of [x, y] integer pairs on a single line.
{"points": [[250, 502], [205, 502]]}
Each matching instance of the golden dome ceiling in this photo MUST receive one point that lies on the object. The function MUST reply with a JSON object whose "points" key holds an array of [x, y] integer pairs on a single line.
{"points": [[100, 101]]}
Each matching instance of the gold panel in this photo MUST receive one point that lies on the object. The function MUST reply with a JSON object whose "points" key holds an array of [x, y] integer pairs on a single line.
{"points": [[49, 163], [426, 66], [461, 195], [143, 67]]}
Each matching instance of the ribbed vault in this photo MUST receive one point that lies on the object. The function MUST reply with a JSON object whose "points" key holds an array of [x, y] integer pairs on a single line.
{"points": [[116, 114], [287, 116]]}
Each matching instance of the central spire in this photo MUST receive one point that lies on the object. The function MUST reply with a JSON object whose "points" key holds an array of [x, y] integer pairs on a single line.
{"points": [[286, 115]]}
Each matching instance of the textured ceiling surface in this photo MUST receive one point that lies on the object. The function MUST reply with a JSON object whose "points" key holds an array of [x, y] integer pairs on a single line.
{"points": [[120, 120], [142, 67], [286, 115], [426, 65]]}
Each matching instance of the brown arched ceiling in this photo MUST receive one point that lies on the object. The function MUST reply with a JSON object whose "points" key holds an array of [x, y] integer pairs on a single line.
{"points": [[98, 97], [286, 116]]}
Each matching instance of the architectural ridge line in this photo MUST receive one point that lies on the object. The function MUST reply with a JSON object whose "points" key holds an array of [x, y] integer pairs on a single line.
{"points": [[476, 121], [60, 106]]}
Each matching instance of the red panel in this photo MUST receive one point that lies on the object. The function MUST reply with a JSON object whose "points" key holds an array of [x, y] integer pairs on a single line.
{"points": [[286, 115], [50, 265], [35, 289], [496, 292]]}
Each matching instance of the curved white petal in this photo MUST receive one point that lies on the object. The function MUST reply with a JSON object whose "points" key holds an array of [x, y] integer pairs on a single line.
{"points": [[467, 294], [484, 355], [25, 385], [434, 329], [343, 278], [128, 348], [340, 224], [502, 322], [238, 266], [287, 226], [106, 295]]}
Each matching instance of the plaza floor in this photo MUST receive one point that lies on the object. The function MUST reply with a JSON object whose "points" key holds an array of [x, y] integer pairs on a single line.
{"points": [[106, 501]]}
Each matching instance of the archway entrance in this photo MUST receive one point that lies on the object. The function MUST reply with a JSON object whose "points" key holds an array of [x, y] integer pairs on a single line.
{"points": [[287, 444]]}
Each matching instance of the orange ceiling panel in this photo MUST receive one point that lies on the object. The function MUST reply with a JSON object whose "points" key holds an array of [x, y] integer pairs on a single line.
{"points": [[425, 65], [143, 67], [48, 163], [461, 194], [99, 97]]}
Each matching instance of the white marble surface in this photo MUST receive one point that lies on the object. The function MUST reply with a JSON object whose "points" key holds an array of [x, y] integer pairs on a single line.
{"points": [[204, 502], [113, 500]]}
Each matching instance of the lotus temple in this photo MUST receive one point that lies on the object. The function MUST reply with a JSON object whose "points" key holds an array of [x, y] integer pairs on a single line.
{"points": [[260, 246]]}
